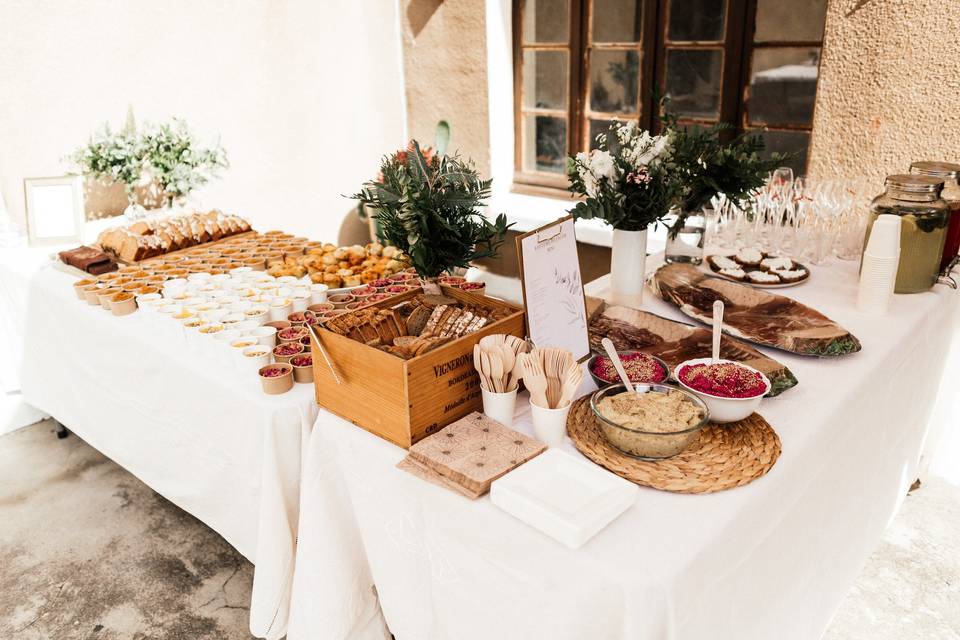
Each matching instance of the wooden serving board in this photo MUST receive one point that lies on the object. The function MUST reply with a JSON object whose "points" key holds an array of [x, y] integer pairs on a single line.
{"points": [[751, 314], [205, 245], [674, 342]]}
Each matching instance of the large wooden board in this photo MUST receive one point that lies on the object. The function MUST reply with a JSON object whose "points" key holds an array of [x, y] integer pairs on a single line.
{"points": [[674, 342], [757, 316]]}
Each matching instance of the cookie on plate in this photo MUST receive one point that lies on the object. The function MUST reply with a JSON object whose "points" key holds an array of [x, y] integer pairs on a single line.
{"points": [[736, 274], [791, 275], [762, 277], [776, 264], [719, 263], [749, 257]]}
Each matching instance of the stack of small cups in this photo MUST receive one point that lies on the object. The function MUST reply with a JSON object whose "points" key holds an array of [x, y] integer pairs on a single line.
{"points": [[878, 269]]}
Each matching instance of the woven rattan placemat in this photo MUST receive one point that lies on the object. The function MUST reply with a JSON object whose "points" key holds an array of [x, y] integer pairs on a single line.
{"points": [[724, 456]]}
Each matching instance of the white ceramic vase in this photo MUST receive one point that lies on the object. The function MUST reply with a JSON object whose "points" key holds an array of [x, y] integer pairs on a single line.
{"points": [[628, 264]]}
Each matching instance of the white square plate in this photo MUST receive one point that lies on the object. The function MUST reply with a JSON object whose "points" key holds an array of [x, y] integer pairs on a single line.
{"points": [[568, 499]]}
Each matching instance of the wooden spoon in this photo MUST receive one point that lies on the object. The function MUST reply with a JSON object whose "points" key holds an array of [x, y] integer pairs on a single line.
{"points": [[615, 358], [496, 370], [717, 326]]}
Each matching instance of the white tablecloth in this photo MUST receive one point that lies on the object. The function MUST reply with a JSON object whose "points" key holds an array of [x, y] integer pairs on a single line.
{"points": [[198, 433], [772, 559]]}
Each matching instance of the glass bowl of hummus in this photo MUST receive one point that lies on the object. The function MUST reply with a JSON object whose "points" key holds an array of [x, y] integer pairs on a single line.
{"points": [[655, 422]]}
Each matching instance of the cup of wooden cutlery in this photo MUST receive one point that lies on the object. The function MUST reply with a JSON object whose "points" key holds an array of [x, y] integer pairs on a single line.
{"points": [[552, 377], [499, 378]]}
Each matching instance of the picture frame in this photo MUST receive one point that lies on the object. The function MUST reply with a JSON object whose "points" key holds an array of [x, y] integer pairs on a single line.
{"points": [[54, 206]]}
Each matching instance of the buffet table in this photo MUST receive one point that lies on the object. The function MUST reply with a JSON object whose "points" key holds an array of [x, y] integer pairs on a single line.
{"points": [[378, 547], [198, 433]]}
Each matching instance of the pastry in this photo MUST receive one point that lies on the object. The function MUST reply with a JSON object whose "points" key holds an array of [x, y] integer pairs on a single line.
{"points": [[749, 257], [722, 262], [777, 264], [736, 273], [761, 277]]}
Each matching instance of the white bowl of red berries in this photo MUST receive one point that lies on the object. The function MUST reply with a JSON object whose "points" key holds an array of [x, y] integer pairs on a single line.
{"points": [[731, 390]]}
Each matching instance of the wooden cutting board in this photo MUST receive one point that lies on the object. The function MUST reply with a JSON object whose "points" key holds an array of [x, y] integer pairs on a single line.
{"points": [[674, 342], [752, 314], [471, 453]]}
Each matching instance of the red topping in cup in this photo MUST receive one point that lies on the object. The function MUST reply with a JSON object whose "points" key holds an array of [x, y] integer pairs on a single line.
{"points": [[273, 372], [724, 380], [305, 340], [382, 282], [397, 288], [471, 286], [293, 333], [297, 317], [287, 349], [302, 361], [639, 367]]}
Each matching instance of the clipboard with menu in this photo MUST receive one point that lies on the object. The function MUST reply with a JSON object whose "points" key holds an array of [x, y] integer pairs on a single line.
{"points": [[552, 288]]}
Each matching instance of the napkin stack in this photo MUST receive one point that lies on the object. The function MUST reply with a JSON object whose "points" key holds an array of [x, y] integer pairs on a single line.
{"points": [[468, 455]]}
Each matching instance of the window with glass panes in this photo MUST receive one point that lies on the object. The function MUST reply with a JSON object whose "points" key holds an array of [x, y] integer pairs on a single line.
{"points": [[581, 64]]}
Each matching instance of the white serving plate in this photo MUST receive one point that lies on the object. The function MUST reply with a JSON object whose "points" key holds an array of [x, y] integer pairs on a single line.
{"points": [[568, 499]]}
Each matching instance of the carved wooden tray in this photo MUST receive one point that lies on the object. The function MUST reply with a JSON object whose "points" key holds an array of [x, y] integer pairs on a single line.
{"points": [[758, 316]]}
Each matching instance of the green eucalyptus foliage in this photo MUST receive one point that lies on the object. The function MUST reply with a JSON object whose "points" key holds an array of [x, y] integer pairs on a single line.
{"points": [[426, 205]]}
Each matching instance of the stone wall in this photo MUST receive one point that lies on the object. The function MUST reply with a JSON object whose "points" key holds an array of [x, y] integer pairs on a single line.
{"points": [[445, 70], [889, 88]]}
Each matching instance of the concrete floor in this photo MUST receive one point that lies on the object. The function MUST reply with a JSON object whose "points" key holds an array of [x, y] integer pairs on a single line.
{"points": [[89, 552]]}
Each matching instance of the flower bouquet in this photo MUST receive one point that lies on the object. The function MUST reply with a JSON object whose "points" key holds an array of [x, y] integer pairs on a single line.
{"points": [[630, 181]]}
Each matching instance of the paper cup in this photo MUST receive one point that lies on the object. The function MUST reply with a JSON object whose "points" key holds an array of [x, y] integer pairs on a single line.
{"points": [[500, 406], [884, 236], [549, 425], [254, 358], [318, 293], [266, 336]]}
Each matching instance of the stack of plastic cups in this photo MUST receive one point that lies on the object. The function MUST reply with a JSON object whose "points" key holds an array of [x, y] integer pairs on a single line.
{"points": [[878, 271]]}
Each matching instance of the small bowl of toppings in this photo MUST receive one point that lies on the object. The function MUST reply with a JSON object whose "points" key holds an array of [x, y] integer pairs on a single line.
{"points": [[397, 289], [284, 351], [297, 318], [731, 390], [302, 367], [276, 378], [320, 307], [640, 368], [381, 283], [653, 423], [340, 300], [472, 286], [305, 341], [122, 304], [291, 334]]}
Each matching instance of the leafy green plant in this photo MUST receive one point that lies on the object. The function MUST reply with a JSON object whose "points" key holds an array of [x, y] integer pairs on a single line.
{"points": [[168, 153], [427, 203], [707, 166], [116, 156], [177, 162], [629, 184]]}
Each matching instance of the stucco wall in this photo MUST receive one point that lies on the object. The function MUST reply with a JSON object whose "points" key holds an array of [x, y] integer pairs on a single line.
{"points": [[306, 95], [889, 88], [445, 68]]}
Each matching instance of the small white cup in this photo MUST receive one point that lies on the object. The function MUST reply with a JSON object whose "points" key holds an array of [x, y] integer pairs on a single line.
{"points": [[266, 336], [252, 364], [214, 315], [198, 277], [239, 272], [246, 326], [318, 293], [280, 308], [301, 300], [500, 406], [289, 280], [549, 425]]}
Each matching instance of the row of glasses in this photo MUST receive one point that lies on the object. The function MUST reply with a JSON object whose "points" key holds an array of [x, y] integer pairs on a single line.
{"points": [[805, 219]]}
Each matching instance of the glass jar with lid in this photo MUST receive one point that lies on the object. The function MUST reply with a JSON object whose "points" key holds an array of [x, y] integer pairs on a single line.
{"points": [[924, 216], [948, 172]]}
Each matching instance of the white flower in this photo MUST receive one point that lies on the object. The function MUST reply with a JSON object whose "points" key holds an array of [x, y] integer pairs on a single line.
{"points": [[601, 164]]}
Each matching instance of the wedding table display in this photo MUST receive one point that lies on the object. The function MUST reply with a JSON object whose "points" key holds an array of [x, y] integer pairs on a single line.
{"points": [[698, 545], [758, 316], [205, 324]]}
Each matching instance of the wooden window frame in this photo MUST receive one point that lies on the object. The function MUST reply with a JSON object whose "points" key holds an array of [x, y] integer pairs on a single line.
{"points": [[738, 46]]}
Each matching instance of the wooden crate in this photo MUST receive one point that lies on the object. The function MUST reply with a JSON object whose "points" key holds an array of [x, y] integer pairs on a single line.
{"points": [[401, 400]]}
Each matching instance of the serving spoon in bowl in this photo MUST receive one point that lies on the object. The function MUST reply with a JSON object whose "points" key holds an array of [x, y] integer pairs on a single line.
{"points": [[615, 358]]}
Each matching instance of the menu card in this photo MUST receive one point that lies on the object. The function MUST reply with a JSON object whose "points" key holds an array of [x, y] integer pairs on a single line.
{"points": [[552, 288]]}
